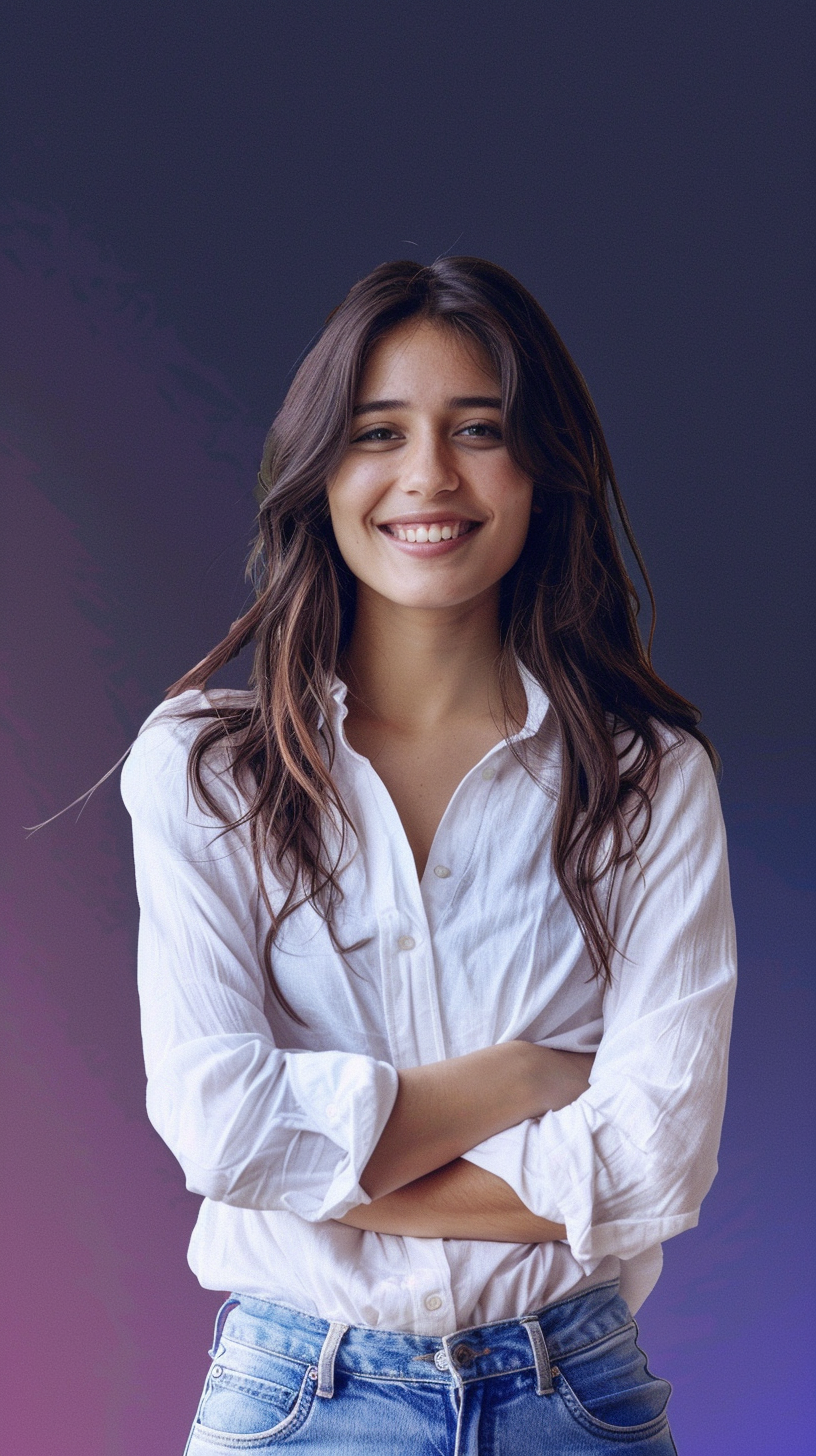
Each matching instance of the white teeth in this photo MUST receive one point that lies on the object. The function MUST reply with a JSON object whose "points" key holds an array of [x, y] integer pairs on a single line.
{"points": [[434, 533]]}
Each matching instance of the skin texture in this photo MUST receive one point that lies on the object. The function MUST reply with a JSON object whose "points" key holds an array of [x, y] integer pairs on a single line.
{"points": [[426, 449]]}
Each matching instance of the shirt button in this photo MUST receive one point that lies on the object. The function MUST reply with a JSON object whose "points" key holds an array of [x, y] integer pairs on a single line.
{"points": [[442, 872], [488, 774], [433, 1301], [406, 942]]}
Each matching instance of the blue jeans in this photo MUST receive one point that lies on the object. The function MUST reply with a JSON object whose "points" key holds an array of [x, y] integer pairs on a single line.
{"points": [[568, 1380]]}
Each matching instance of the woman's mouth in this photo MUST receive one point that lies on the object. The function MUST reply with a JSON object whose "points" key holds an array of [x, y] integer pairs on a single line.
{"points": [[430, 533]]}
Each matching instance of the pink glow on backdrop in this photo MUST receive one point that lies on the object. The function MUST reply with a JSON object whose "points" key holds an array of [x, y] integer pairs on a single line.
{"points": [[95, 1214], [103, 603]]}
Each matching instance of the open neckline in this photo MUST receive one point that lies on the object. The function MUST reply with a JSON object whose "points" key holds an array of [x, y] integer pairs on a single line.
{"points": [[538, 705]]}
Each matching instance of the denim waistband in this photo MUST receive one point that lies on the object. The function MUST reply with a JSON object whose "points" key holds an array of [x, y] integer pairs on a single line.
{"points": [[531, 1342]]}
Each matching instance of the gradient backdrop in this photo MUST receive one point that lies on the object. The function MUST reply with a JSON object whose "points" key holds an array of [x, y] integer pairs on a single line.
{"points": [[187, 190]]}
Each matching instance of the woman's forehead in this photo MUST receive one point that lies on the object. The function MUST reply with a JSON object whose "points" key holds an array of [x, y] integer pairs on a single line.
{"points": [[422, 356]]}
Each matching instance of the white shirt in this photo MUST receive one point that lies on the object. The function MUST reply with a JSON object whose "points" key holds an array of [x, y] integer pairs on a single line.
{"points": [[274, 1123]]}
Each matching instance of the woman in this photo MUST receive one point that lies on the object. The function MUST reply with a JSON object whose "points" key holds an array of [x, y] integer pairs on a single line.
{"points": [[437, 952]]}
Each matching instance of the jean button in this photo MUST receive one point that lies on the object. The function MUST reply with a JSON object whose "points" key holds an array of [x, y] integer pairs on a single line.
{"points": [[463, 1355]]}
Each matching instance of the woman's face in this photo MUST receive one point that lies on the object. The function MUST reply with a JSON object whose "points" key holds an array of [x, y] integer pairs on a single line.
{"points": [[428, 508]]}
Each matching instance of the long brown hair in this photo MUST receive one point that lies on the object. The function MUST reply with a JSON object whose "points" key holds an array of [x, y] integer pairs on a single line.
{"points": [[568, 607]]}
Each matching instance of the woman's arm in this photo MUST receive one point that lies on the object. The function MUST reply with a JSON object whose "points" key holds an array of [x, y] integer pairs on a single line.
{"points": [[626, 1166], [252, 1124], [459, 1201], [444, 1109]]}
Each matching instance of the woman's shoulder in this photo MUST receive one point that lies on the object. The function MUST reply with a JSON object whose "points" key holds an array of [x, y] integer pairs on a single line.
{"points": [[682, 786], [156, 770], [677, 749]]}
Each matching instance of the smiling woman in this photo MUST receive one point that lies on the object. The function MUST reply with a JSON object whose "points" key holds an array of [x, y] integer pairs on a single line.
{"points": [[437, 957], [430, 476]]}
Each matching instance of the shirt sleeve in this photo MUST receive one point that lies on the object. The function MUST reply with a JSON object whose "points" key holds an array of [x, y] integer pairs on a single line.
{"points": [[251, 1124], [628, 1164]]}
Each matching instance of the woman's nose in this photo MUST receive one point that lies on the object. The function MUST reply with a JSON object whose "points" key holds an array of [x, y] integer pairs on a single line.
{"points": [[429, 469]]}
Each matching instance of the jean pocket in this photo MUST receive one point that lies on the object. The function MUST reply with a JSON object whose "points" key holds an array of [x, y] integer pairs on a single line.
{"points": [[608, 1388], [244, 1411]]}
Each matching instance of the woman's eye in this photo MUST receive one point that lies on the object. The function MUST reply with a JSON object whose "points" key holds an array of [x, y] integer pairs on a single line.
{"points": [[481, 431], [376, 433]]}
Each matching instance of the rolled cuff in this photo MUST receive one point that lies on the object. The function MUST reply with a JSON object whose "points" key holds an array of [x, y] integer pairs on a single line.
{"points": [[559, 1169], [349, 1100]]}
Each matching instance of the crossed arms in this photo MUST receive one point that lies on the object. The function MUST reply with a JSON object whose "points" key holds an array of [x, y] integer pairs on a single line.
{"points": [[416, 1177]]}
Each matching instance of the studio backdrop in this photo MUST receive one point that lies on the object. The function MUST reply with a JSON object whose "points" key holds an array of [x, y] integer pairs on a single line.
{"points": [[187, 190]]}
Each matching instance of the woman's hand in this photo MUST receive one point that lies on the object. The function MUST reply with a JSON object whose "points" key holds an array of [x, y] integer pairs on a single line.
{"points": [[444, 1109]]}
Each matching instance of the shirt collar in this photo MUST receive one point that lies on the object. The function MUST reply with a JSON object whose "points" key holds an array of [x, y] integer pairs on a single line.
{"points": [[537, 704]]}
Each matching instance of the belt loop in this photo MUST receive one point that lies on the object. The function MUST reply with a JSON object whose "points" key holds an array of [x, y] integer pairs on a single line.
{"points": [[544, 1381], [325, 1365], [220, 1321]]}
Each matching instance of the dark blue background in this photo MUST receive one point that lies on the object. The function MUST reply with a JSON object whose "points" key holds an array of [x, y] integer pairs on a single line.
{"points": [[188, 189]]}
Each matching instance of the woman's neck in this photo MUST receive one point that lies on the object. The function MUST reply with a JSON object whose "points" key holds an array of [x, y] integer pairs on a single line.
{"points": [[417, 669]]}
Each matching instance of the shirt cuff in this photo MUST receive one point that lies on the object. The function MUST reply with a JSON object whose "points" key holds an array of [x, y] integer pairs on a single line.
{"points": [[559, 1165], [349, 1099]]}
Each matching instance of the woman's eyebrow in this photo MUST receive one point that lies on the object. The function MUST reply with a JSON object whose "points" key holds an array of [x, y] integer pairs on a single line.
{"points": [[374, 405], [463, 401]]}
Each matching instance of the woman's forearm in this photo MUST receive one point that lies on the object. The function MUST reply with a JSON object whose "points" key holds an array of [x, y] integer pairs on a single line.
{"points": [[444, 1109], [448, 1107], [459, 1201]]}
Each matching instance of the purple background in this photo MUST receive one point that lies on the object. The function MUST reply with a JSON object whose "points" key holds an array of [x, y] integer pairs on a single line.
{"points": [[188, 189]]}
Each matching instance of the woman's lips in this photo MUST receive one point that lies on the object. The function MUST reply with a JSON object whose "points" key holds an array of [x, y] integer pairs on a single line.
{"points": [[429, 538]]}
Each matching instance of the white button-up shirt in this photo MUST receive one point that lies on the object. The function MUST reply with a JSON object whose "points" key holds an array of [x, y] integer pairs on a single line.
{"points": [[273, 1123]]}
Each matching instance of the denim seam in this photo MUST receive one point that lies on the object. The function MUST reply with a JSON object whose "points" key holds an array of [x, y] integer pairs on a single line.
{"points": [[265, 1350], [590, 1345], [499, 1374], [620, 1433]]}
